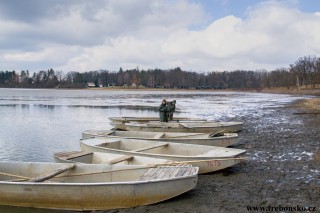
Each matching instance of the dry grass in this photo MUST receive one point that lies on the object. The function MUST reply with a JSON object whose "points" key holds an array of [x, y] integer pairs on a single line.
{"points": [[311, 104], [293, 91]]}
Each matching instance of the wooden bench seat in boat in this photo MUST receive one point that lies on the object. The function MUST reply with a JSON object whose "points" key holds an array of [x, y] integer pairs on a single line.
{"points": [[70, 155], [159, 135], [52, 174], [168, 172], [150, 147], [119, 159]]}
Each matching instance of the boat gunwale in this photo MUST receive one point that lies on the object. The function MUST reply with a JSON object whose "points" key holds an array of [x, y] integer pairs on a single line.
{"points": [[166, 126], [180, 138], [173, 156], [106, 183], [84, 184], [153, 118], [232, 135]]}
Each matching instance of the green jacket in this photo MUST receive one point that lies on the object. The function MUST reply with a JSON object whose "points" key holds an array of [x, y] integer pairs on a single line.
{"points": [[163, 110], [171, 109]]}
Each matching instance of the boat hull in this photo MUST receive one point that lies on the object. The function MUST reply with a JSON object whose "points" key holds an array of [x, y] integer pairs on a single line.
{"points": [[206, 162], [228, 139], [148, 119], [165, 127], [205, 166], [92, 196]]}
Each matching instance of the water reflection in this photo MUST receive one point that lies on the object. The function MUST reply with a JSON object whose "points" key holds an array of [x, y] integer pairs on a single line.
{"points": [[52, 107], [129, 107]]}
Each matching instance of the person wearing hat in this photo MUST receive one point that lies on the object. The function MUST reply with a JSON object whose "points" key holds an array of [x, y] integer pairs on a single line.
{"points": [[163, 111]]}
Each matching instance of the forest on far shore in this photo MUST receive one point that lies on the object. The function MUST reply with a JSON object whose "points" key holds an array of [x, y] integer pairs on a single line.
{"points": [[305, 71]]}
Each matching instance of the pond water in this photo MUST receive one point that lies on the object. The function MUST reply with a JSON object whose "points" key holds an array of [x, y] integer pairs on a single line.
{"points": [[35, 123]]}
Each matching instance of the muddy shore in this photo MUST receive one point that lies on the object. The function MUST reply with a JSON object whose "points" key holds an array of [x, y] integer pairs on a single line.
{"points": [[282, 169]]}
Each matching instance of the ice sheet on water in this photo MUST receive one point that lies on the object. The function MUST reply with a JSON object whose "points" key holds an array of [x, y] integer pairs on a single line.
{"points": [[210, 105], [240, 105]]}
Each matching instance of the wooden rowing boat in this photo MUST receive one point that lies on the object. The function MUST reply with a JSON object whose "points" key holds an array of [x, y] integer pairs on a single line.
{"points": [[207, 158], [198, 127], [148, 119], [205, 165], [226, 139], [91, 187]]}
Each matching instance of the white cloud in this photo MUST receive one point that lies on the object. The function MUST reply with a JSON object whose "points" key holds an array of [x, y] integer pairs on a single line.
{"points": [[152, 34], [272, 36]]}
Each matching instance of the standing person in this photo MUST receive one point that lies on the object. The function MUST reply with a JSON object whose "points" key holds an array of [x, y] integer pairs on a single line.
{"points": [[163, 109], [172, 109]]}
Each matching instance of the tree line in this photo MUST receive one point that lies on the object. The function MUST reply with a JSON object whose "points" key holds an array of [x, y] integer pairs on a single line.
{"points": [[305, 71]]}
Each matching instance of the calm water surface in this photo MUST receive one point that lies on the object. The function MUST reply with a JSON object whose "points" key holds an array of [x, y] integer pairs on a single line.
{"points": [[35, 123]]}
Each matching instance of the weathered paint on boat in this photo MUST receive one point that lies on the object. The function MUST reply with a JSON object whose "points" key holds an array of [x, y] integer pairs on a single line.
{"points": [[92, 187], [227, 139], [209, 158], [205, 165], [198, 127]]}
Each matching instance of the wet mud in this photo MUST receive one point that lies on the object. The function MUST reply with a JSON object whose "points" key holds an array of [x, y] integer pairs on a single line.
{"points": [[282, 169]]}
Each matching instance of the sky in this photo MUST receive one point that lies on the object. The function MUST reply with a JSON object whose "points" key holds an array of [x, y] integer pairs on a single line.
{"points": [[195, 35]]}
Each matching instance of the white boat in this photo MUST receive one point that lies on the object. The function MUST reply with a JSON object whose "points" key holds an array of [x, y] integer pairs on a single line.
{"points": [[224, 140], [205, 165], [148, 119], [207, 158], [198, 127], [90, 187]]}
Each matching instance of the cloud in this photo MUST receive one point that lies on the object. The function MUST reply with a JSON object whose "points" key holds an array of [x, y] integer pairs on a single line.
{"points": [[31, 10], [291, 33], [88, 35], [273, 35]]}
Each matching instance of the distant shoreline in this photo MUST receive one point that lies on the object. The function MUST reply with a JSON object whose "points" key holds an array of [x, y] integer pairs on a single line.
{"points": [[158, 89], [292, 91], [295, 91]]}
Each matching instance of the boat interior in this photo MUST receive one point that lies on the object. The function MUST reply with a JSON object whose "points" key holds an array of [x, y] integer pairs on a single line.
{"points": [[162, 147], [106, 158], [52, 173]]}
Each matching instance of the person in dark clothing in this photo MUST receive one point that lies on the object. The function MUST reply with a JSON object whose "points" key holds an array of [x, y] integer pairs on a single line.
{"points": [[172, 109], [163, 110]]}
